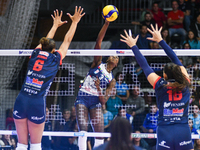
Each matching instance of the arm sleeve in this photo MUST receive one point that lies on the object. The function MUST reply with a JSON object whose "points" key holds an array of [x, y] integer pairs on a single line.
{"points": [[142, 61], [170, 53]]}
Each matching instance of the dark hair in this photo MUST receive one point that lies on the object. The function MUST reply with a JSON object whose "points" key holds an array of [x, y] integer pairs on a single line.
{"points": [[47, 44], [120, 135], [190, 119], [143, 25], [155, 3], [185, 44], [174, 1], [195, 103], [147, 13], [168, 37], [174, 72], [195, 37]]}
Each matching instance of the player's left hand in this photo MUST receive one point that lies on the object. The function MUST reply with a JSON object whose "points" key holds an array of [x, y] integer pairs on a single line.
{"points": [[57, 18], [128, 39]]}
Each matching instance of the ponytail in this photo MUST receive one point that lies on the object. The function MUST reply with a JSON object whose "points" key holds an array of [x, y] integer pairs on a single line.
{"points": [[174, 72]]}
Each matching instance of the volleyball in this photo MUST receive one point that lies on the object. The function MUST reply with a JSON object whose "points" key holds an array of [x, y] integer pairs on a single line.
{"points": [[110, 13]]}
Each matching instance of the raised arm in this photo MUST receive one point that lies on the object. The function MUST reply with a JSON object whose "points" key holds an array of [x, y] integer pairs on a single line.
{"points": [[131, 42], [102, 32], [70, 34], [170, 53], [56, 23]]}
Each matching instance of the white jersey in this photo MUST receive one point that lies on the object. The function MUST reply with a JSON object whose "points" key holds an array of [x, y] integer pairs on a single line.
{"points": [[105, 78]]}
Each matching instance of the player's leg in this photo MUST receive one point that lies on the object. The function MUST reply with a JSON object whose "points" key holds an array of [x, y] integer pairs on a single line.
{"points": [[182, 136], [97, 121], [82, 122], [22, 133], [35, 131], [165, 140]]}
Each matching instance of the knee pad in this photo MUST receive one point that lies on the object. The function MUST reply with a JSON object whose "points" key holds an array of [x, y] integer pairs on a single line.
{"points": [[21, 146], [35, 146], [82, 141]]}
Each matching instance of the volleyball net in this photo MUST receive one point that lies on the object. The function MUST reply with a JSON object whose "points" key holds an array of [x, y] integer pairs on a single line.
{"points": [[71, 74]]}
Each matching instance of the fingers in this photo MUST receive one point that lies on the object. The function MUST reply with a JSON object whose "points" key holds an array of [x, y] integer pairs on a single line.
{"points": [[151, 39], [156, 27], [126, 33], [123, 36], [75, 9], [149, 30], [57, 13], [54, 13], [152, 28], [61, 13], [137, 37], [69, 15], [52, 17], [160, 29]]}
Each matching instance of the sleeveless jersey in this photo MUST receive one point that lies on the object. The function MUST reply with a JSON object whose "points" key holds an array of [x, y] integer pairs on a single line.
{"points": [[173, 108], [42, 69], [88, 85]]}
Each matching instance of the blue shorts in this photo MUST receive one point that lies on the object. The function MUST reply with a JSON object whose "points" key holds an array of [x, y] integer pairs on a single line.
{"points": [[31, 107], [88, 100], [174, 137]]}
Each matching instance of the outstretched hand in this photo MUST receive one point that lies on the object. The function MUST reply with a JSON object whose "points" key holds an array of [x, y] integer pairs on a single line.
{"points": [[77, 14], [57, 18], [155, 33], [128, 39]]}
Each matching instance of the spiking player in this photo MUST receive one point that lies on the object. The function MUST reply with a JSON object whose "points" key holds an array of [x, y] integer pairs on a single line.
{"points": [[172, 95], [91, 93], [30, 105]]}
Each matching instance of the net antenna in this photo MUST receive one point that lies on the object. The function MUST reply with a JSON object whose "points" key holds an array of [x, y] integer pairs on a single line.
{"points": [[18, 20]]}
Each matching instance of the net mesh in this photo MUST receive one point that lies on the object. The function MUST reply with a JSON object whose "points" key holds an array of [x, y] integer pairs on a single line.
{"points": [[71, 74], [64, 90], [18, 20]]}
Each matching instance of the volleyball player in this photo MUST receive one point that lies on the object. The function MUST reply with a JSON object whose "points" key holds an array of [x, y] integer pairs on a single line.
{"points": [[172, 94], [93, 92], [30, 105]]}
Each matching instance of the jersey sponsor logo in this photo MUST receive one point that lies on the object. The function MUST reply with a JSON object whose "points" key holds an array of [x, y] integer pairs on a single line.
{"points": [[166, 104], [15, 114], [173, 112], [37, 118], [97, 71], [30, 91], [173, 104], [29, 72], [175, 119], [35, 74], [163, 144], [185, 143], [44, 53], [34, 82]]}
